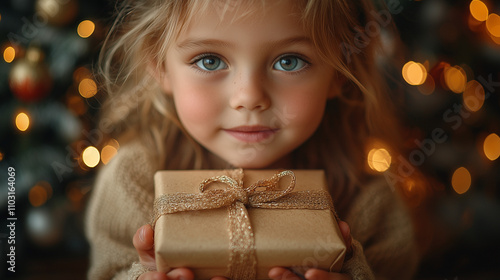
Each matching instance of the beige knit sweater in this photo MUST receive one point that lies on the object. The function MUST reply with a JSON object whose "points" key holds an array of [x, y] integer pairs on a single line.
{"points": [[122, 200]]}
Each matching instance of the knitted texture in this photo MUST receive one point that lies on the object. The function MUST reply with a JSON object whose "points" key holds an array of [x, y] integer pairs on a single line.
{"points": [[122, 201]]}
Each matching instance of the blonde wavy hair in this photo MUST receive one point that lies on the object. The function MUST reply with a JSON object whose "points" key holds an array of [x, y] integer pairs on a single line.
{"points": [[136, 107]]}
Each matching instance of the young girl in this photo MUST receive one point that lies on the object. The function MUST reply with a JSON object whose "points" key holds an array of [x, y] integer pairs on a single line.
{"points": [[214, 84]]}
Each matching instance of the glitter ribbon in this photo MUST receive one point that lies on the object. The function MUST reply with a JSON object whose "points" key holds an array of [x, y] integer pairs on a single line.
{"points": [[236, 197]]}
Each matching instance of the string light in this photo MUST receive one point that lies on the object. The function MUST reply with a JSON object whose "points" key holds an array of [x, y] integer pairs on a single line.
{"points": [[491, 146], [379, 159], [461, 180], [85, 28], [414, 73], [478, 10], [455, 79], [87, 88], [91, 156], [9, 54], [22, 121]]}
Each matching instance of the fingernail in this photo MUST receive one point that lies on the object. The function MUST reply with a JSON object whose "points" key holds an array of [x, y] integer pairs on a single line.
{"points": [[141, 234]]}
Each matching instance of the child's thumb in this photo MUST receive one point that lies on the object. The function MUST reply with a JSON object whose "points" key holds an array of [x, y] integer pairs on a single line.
{"points": [[144, 244]]}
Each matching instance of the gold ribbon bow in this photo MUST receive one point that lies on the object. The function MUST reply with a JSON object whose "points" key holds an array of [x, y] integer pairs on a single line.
{"points": [[242, 259]]}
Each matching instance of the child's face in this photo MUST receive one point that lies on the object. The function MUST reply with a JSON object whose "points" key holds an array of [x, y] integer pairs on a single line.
{"points": [[249, 90]]}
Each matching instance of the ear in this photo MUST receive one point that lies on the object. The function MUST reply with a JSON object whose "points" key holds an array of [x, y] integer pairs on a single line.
{"points": [[159, 73]]}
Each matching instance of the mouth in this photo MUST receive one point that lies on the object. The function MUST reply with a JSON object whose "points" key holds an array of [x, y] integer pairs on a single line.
{"points": [[251, 134]]}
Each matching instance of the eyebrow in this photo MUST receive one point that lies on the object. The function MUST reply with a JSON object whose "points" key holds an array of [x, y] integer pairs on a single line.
{"points": [[205, 43]]}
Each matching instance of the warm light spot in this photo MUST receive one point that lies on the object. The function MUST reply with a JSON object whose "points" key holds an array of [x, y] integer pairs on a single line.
{"points": [[38, 196], [479, 10], [414, 73], [9, 54], [22, 121], [461, 180], [493, 25], [427, 88], [74, 194], [76, 104], [379, 159], [492, 146], [81, 73], [496, 40], [474, 96], [85, 28], [87, 88], [91, 157], [107, 153], [1, 156], [455, 79]]}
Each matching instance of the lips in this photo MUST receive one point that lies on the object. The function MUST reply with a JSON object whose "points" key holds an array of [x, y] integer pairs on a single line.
{"points": [[251, 134]]}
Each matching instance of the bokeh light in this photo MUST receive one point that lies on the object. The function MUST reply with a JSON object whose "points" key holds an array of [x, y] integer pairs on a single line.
{"points": [[87, 88], [461, 180], [414, 73], [493, 25], [455, 79], [428, 87], [1, 156], [91, 156], [492, 146], [85, 28], [109, 151], [379, 159], [22, 121], [74, 194], [9, 54], [474, 96], [478, 10], [81, 73], [40, 193], [76, 104]]}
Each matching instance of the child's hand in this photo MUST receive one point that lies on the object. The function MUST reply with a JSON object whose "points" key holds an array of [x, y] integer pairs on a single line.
{"points": [[144, 244], [280, 273]]}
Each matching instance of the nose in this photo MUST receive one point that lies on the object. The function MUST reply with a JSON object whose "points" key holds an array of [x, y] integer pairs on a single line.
{"points": [[249, 92]]}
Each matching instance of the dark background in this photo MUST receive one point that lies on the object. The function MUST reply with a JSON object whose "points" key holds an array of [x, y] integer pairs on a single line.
{"points": [[458, 233]]}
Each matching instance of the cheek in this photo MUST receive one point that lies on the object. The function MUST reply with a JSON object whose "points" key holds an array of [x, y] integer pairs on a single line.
{"points": [[195, 103], [306, 106]]}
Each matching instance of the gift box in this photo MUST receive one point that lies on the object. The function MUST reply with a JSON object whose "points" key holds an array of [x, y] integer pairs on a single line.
{"points": [[240, 223]]}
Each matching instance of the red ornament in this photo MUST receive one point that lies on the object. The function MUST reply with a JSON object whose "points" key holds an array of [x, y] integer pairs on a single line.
{"points": [[30, 78]]}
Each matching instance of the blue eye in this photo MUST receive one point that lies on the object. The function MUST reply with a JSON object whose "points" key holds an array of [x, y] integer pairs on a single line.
{"points": [[289, 63], [210, 63]]}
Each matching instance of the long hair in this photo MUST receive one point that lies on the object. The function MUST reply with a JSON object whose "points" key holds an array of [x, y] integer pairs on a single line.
{"points": [[136, 107]]}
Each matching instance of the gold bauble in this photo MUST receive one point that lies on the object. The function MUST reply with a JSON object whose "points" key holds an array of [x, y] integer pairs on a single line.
{"points": [[57, 12]]}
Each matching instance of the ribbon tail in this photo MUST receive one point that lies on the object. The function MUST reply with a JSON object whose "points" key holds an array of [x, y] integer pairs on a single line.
{"points": [[242, 259]]}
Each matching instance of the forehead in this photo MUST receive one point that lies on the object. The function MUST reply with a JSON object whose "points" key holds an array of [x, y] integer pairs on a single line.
{"points": [[217, 15]]}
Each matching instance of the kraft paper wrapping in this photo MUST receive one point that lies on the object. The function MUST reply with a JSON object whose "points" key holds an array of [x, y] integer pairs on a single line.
{"points": [[294, 238]]}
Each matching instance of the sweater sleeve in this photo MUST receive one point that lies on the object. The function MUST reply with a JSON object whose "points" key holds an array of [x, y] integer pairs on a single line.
{"points": [[121, 202], [381, 223]]}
